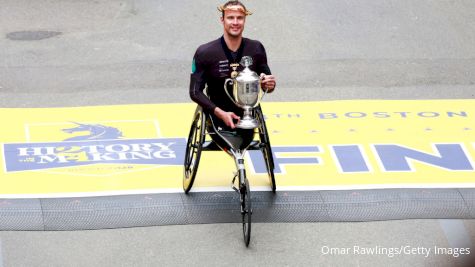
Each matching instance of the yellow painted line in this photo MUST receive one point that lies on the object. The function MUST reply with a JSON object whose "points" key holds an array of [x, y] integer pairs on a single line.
{"points": [[355, 144]]}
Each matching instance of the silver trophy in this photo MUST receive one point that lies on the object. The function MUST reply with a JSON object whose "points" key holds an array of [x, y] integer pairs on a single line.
{"points": [[246, 91]]}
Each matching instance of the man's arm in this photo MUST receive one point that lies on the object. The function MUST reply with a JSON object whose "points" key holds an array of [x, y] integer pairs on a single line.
{"points": [[197, 84]]}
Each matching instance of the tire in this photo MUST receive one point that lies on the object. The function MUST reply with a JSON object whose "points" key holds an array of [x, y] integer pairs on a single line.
{"points": [[267, 154], [266, 148], [246, 208], [193, 151]]}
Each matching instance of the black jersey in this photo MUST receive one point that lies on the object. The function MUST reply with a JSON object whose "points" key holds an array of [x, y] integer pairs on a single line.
{"points": [[211, 67]]}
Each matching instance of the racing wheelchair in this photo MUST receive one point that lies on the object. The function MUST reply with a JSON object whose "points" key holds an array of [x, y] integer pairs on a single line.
{"points": [[203, 136]]}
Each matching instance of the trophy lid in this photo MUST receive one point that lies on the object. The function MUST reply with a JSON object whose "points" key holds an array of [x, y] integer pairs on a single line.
{"points": [[246, 61]]}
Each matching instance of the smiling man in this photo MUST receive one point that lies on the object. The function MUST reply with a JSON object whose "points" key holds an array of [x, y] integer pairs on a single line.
{"points": [[211, 66]]}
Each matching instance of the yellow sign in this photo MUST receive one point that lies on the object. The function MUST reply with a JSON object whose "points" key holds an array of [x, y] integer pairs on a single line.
{"points": [[131, 149]]}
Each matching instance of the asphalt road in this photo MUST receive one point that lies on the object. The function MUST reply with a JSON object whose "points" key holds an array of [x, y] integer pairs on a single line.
{"points": [[127, 52]]}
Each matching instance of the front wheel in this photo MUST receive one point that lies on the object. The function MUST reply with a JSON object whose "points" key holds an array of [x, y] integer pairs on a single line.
{"points": [[246, 207]]}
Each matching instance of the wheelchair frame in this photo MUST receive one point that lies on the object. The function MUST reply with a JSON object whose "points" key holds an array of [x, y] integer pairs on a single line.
{"points": [[198, 142]]}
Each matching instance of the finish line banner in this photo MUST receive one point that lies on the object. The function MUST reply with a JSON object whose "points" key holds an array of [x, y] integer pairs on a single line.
{"points": [[132, 149]]}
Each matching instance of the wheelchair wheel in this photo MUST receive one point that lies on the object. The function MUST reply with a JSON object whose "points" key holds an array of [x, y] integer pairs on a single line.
{"points": [[266, 148], [193, 151], [246, 208]]}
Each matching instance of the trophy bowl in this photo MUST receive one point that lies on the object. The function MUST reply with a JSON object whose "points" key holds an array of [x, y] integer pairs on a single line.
{"points": [[247, 93]]}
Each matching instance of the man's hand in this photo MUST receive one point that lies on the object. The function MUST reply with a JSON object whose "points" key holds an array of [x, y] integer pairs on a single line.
{"points": [[267, 82], [227, 117]]}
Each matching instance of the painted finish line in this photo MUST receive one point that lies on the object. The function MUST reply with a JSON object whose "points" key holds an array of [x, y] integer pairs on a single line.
{"points": [[129, 149]]}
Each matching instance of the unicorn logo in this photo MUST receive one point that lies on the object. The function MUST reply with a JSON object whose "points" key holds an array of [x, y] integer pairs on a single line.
{"points": [[95, 132]]}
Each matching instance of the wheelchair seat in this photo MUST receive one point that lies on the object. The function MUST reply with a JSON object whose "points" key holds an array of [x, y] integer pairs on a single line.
{"points": [[227, 138]]}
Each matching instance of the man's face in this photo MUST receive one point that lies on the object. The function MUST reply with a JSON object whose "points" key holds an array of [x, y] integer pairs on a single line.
{"points": [[233, 22]]}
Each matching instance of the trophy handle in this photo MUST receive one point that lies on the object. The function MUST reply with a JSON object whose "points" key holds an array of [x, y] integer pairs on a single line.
{"points": [[226, 90], [262, 96]]}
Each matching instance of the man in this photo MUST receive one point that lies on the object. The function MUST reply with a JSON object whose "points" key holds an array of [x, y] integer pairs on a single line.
{"points": [[211, 66]]}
